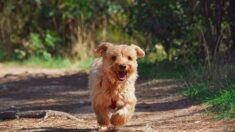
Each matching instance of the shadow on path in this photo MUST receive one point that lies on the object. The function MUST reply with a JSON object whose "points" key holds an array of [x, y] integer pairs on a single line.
{"points": [[69, 93], [52, 129]]}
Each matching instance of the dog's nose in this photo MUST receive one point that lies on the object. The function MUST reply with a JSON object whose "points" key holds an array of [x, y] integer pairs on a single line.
{"points": [[122, 66]]}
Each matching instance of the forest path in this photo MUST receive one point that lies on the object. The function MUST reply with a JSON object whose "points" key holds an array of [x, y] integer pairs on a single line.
{"points": [[160, 106]]}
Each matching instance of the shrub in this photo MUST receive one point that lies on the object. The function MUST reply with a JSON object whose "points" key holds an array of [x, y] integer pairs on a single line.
{"points": [[215, 86]]}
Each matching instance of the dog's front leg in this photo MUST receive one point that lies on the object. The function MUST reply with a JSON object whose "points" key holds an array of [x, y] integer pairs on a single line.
{"points": [[102, 116], [122, 115]]}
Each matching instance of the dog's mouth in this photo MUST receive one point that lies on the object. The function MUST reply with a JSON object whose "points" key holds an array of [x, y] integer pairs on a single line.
{"points": [[121, 75]]}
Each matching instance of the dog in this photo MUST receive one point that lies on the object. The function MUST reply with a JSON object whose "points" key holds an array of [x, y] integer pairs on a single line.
{"points": [[112, 83]]}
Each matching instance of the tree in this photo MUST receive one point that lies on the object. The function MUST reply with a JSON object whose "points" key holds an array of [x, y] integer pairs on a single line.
{"points": [[232, 25]]}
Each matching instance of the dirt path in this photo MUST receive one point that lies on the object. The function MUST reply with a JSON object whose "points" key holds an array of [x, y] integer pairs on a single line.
{"points": [[159, 106]]}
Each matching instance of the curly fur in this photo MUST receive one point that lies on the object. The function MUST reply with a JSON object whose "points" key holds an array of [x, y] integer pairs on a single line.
{"points": [[108, 89]]}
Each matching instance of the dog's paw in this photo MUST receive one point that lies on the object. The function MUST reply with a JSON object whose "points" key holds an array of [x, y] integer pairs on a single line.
{"points": [[120, 117], [103, 128], [118, 120]]}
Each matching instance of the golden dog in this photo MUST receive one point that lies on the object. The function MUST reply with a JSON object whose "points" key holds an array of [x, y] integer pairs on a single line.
{"points": [[112, 83]]}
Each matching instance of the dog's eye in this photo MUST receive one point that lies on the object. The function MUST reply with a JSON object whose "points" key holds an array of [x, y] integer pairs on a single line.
{"points": [[129, 58], [113, 58]]}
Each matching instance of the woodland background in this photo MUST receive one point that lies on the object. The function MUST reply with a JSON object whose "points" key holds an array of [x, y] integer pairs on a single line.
{"points": [[193, 41]]}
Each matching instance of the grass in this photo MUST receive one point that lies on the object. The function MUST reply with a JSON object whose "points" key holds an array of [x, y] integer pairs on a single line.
{"points": [[214, 86], [223, 103], [162, 70], [211, 85], [53, 63]]}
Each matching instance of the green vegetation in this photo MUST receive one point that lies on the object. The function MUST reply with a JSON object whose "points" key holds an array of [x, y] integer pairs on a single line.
{"points": [[176, 36], [164, 69], [215, 86], [187, 30], [51, 63]]}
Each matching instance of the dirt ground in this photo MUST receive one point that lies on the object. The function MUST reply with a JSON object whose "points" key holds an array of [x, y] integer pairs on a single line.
{"points": [[160, 107]]}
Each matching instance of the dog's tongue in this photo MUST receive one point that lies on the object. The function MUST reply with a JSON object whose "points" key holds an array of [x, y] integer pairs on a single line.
{"points": [[121, 75]]}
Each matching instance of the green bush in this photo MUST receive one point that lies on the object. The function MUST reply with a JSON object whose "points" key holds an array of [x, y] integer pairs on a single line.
{"points": [[213, 85], [162, 69], [224, 103], [41, 46], [194, 90], [2, 54]]}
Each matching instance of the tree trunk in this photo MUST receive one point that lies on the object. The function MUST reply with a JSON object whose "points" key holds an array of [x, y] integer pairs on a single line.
{"points": [[218, 20], [232, 26], [208, 43]]}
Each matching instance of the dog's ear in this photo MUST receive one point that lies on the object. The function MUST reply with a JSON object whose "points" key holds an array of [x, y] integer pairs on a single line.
{"points": [[140, 53], [102, 48]]}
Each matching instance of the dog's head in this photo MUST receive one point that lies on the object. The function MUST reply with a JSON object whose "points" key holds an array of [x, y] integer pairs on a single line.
{"points": [[119, 61]]}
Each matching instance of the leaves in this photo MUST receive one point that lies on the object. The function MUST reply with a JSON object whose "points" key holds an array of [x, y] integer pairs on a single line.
{"points": [[185, 29], [51, 39]]}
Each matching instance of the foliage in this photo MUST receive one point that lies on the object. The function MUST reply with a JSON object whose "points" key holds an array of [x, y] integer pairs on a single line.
{"points": [[50, 28], [187, 30], [214, 86], [163, 69], [190, 31], [224, 103], [174, 34], [53, 63]]}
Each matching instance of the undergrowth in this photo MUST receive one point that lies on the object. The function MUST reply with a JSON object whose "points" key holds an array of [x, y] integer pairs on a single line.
{"points": [[214, 86], [162, 70], [53, 63], [211, 85]]}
